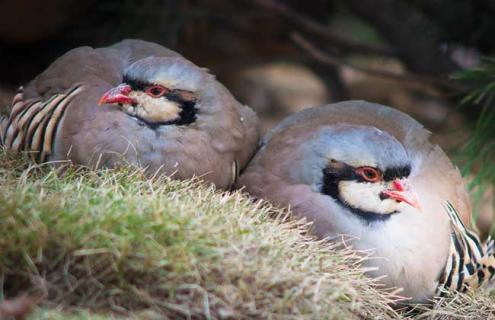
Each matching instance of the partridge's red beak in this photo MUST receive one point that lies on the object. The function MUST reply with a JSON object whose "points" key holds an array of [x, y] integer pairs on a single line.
{"points": [[118, 94], [401, 192]]}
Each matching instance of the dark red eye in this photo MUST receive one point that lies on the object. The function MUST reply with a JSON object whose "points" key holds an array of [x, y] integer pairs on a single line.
{"points": [[369, 174], [156, 91]]}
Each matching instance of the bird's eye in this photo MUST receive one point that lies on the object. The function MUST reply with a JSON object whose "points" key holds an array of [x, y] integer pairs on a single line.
{"points": [[156, 91], [369, 174]]}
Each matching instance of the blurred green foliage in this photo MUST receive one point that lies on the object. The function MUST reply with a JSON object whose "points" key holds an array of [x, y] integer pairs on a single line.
{"points": [[478, 155]]}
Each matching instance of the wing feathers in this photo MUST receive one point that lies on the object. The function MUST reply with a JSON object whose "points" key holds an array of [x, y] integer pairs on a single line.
{"points": [[471, 262], [32, 124]]}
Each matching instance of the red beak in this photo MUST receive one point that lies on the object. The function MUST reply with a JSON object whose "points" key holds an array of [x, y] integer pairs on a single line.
{"points": [[401, 192], [118, 94]]}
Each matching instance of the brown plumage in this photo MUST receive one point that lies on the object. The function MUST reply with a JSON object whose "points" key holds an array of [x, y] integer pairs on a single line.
{"points": [[163, 113], [369, 173]]}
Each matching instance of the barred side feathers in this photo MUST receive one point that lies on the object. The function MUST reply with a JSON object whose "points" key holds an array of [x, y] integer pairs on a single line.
{"points": [[32, 124], [470, 263]]}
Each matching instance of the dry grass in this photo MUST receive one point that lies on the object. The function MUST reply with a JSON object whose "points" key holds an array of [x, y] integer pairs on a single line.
{"points": [[115, 245], [115, 242], [477, 304]]}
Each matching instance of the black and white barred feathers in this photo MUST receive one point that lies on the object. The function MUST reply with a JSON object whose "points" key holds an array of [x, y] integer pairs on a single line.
{"points": [[470, 263], [32, 124]]}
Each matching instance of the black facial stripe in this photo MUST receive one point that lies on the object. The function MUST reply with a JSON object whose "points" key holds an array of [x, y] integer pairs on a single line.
{"points": [[187, 115], [330, 184], [346, 173], [135, 84], [176, 96], [397, 173], [369, 216], [173, 95], [335, 173], [331, 178], [339, 171]]}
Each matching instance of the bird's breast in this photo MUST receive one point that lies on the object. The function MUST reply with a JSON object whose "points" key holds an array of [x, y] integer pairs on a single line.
{"points": [[410, 250]]}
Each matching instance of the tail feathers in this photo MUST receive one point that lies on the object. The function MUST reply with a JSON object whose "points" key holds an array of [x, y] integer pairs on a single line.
{"points": [[471, 263]]}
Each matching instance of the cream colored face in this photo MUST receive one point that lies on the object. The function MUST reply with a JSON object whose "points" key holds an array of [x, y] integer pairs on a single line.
{"points": [[153, 110], [366, 196]]}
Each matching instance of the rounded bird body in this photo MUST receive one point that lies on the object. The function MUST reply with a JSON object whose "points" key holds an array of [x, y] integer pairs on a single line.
{"points": [[133, 103], [367, 174]]}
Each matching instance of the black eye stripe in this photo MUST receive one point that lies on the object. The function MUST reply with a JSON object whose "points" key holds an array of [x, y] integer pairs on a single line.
{"points": [[175, 95], [397, 173], [330, 186], [135, 84], [186, 99], [347, 172]]}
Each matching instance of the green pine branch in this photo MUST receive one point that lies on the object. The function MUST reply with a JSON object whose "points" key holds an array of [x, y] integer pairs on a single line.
{"points": [[477, 157]]}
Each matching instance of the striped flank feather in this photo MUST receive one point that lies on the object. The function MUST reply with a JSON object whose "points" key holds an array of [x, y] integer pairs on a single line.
{"points": [[470, 262], [32, 124]]}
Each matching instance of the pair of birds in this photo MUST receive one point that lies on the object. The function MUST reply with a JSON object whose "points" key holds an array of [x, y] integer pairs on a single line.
{"points": [[357, 170]]}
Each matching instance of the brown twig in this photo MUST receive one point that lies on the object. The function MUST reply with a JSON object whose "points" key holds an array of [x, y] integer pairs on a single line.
{"points": [[323, 57], [401, 24], [311, 26]]}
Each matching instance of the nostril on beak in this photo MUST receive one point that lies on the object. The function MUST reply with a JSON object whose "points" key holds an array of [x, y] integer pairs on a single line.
{"points": [[118, 95], [399, 185]]}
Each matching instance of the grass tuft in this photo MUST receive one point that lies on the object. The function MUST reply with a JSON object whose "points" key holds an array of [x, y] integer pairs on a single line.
{"points": [[114, 245], [114, 242], [473, 305]]}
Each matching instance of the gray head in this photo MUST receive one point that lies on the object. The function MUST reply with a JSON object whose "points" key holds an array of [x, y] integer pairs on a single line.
{"points": [[160, 91], [364, 169], [170, 72]]}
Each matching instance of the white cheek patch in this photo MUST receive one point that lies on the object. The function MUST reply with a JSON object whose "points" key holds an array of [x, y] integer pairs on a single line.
{"points": [[154, 109], [366, 197]]}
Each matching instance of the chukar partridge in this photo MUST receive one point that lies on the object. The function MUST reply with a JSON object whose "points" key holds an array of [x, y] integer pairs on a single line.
{"points": [[134, 102], [367, 173]]}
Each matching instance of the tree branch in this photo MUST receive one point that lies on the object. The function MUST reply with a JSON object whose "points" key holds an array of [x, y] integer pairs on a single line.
{"points": [[404, 27], [323, 57], [311, 26]]}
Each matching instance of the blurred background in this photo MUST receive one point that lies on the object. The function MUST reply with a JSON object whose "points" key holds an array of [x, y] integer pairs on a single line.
{"points": [[429, 58]]}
